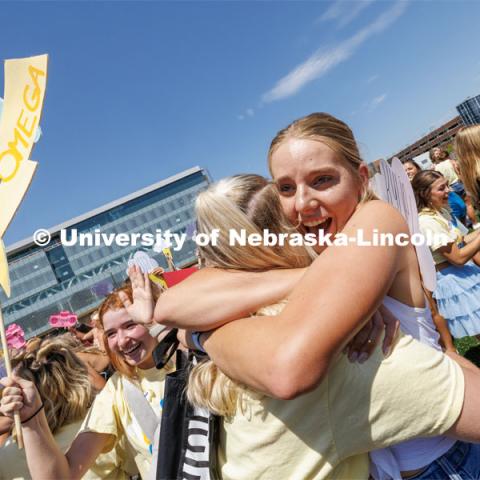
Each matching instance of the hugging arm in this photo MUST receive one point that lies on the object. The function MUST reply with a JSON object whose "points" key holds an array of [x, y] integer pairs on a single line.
{"points": [[289, 354], [212, 297]]}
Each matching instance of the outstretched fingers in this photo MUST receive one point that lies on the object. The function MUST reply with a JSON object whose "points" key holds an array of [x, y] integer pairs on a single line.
{"points": [[392, 325]]}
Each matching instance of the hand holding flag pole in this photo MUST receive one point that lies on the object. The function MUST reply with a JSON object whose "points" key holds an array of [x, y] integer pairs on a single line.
{"points": [[25, 82]]}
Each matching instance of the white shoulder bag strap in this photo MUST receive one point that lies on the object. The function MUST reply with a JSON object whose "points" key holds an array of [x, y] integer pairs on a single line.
{"points": [[146, 418]]}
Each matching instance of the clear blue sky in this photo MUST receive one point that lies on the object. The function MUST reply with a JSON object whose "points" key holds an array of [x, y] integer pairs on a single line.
{"points": [[138, 91]]}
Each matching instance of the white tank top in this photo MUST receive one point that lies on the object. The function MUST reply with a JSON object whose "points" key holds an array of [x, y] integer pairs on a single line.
{"points": [[387, 463]]}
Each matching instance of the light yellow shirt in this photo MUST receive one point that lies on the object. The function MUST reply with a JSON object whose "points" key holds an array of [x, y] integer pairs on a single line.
{"points": [[442, 230], [13, 463], [111, 414], [447, 170], [326, 434]]}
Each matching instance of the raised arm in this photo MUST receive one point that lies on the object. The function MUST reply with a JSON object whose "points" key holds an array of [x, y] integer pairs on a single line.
{"points": [[213, 297], [44, 457], [289, 354]]}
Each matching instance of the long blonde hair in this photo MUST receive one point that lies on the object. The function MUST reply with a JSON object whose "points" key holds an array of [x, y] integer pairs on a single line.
{"points": [[251, 203], [61, 379], [331, 131], [467, 149]]}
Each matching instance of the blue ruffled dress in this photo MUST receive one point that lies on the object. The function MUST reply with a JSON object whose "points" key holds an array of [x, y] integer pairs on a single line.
{"points": [[458, 287], [458, 298]]}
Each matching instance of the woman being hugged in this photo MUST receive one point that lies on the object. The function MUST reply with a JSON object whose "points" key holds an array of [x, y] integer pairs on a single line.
{"points": [[455, 253], [112, 419]]}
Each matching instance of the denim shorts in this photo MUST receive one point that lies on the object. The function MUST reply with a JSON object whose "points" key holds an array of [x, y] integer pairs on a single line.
{"points": [[461, 462]]}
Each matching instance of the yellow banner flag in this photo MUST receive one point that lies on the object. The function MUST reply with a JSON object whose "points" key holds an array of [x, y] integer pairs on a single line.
{"points": [[25, 82]]}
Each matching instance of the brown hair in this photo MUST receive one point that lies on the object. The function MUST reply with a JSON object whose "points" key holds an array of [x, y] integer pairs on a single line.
{"points": [[422, 187], [412, 162], [329, 130], [443, 151]]}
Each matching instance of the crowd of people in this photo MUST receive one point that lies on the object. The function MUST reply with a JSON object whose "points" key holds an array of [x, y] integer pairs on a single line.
{"points": [[287, 339]]}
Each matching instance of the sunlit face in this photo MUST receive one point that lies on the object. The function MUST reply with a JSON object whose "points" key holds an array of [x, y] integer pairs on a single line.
{"points": [[438, 154], [439, 193], [410, 169], [317, 190], [128, 339]]}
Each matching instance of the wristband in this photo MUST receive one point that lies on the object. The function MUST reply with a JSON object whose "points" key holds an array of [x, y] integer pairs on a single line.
{"points": [[196, 341], [33, 415]]}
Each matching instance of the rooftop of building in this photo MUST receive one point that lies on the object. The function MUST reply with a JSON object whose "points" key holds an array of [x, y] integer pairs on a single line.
{"points": [[439, 135], [28, 242]]}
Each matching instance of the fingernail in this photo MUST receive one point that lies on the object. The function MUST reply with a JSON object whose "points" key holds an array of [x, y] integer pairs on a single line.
{"points": [[387, 351], [353, 357], [363, 356]]}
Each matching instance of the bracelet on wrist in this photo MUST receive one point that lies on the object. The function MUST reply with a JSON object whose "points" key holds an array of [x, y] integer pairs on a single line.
{"points": [[197, 343], [33, 415]]}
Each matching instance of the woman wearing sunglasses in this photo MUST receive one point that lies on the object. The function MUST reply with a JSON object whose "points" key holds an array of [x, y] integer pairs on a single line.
{"points": [[115, 417]]}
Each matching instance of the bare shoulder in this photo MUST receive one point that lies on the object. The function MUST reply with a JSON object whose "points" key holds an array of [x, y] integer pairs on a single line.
{"points": [[379, 215]]}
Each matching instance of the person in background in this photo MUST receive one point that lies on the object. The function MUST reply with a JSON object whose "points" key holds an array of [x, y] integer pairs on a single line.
{"points": [[467, 149], [447, 167], [457, 206], [443, 164], [411, 168], [456, 255], [65, 393]]}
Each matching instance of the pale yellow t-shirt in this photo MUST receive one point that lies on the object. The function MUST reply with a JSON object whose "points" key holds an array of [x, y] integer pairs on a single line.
{"points": [[442, 231], [326, 434], [111, 414], [13, 463], [447, 170]]}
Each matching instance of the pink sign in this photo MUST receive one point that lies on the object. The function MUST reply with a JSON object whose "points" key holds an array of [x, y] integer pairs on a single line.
{"points": [[15, 336], [63, 319]]}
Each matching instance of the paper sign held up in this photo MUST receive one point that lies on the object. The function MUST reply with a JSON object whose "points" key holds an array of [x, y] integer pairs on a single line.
{"points": [[25, 82]]}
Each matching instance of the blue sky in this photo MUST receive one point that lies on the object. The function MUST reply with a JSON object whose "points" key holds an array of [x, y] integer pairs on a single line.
{"points": [[138, 91]]}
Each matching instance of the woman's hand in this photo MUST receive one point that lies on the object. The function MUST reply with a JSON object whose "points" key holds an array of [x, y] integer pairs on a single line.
{"points": [[364, 342], [141, 309], [19, 395]]}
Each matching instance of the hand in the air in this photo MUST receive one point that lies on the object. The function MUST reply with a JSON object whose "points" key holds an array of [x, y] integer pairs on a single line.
{"points": [[141, 309]]}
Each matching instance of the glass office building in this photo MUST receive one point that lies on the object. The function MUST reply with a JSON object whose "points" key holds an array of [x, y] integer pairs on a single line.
{"points": [[46, 280], [469, 110]]}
